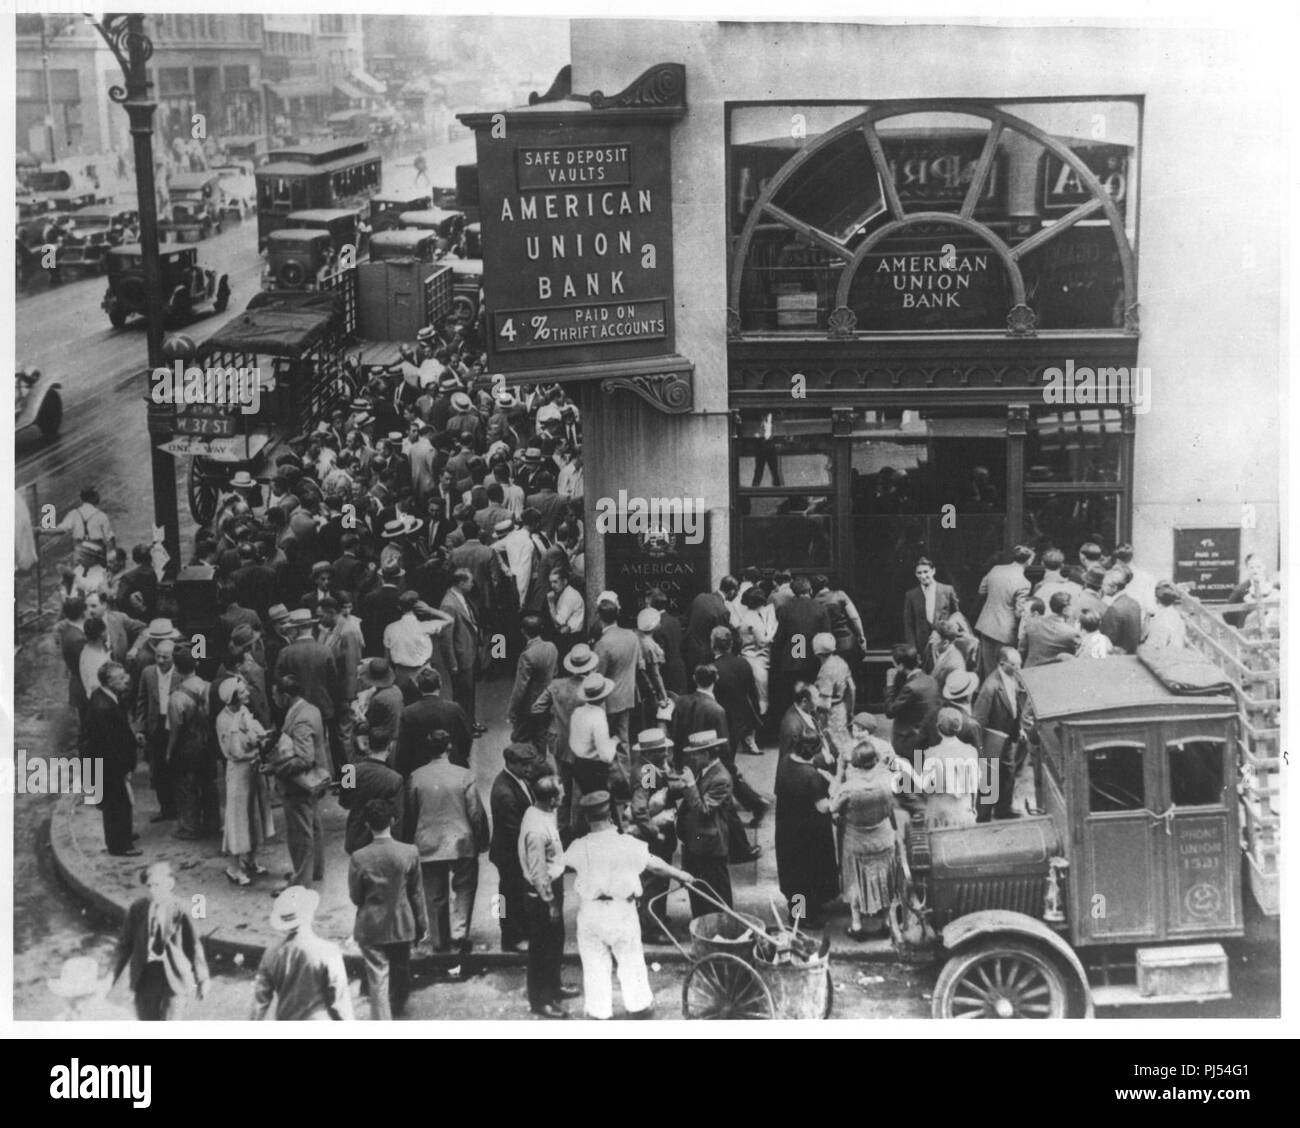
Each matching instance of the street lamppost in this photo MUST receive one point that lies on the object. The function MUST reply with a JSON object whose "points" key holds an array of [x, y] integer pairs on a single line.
{"points": [[125, 37]]}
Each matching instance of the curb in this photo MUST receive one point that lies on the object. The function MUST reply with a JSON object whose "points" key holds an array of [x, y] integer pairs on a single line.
{"points": [[67, 854]]}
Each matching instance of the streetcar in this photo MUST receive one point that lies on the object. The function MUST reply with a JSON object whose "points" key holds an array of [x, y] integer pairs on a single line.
{"points": [[336, 174], [1121, 885]]}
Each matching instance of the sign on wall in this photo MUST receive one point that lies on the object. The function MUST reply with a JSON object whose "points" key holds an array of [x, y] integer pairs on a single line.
{"points": [[661, 557], [577, 241], [1208, 562]]}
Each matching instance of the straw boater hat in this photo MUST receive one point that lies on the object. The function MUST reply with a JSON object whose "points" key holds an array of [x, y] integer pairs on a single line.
{"points": [[294, 908], [300, 617], [79, 978], [360, 404], [448, 382], [532, 454], [243, 480], [159, 630], [402, 526], [960, 685], [596, 687], [704, 741], [504, 527], [652, 740], [428, 333], [505, 398], [581, 659], [395, 436], [461, 402]]}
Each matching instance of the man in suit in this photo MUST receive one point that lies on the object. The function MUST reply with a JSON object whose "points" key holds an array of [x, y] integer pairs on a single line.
{"points": [[464, 644], [191, 751], [253, 582], [312, 664], [799, 722], [121, 630], [924, 608], [533, 673], [384, 884], [372, 779], [1122, 622], [1052, 634], [446, 821], [912, 702], [698, 710], [669, 637], [707, 610], [304, 728], [107, 736], [425, 715], [798, 621], [150, 718], [547, 502], [162, 946], [737, 693], [997, 708], [1005, 590], [511, 796], [477, 558], [620, 655], [702, 817], [380, 608], [423, 475], [1054, 580]]}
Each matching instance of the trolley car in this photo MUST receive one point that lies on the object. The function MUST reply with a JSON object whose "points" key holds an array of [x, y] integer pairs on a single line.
{"points": [[335, 174]]}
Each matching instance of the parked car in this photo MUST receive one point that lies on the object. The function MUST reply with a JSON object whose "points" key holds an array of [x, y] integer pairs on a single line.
{"points": [[344, 226], [185, 284], [92, 231], [297, 258], [194, 205], [406, 243], [38, 402], [467, 289], [386, 208], [448, 224]]}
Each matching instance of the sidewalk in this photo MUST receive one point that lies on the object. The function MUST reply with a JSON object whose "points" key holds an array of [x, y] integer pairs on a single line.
{"points": [[234, 920]]}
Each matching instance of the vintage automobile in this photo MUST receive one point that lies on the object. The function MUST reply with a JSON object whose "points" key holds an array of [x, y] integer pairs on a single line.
{"points": [[342, 225], [92, 231], [386, 208], [467, 289], [38, 402], [297, 258], [471, 241], [405, 243], [447, 224], [193, 206], [185, 284], [1118, 887]]}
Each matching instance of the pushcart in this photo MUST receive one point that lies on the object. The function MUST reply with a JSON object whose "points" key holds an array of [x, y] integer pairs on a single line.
{"points": [[741, 969]]}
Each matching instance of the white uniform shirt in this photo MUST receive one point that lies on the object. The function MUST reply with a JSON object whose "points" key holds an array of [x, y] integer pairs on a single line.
{"points": [[608, 865]]}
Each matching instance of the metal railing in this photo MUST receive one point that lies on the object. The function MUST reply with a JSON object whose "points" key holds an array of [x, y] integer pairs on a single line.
{"points": [[1250, 660]]}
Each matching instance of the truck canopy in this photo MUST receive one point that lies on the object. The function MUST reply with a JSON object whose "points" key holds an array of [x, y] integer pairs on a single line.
{"points": [[279, 324], [1080, 686]]}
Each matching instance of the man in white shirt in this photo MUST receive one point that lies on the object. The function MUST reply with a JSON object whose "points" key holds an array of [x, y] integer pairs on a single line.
{"points": [[541, 855], [568, 612], [87, 522], [515, 548], [409, 641], [608, 866]]}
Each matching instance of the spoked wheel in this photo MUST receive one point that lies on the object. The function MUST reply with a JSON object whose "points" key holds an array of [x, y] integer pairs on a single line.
{"points": [[203, 495], [1001, 978], [723, 986]]}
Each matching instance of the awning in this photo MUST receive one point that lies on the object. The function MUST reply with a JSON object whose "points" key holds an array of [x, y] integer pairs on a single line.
{"points": [[300, 88], [350, 92], [232, 448], [370, 82]]}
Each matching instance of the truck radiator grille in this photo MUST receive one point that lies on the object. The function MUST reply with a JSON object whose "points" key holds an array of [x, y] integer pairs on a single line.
{"points": [[1019, 894]]}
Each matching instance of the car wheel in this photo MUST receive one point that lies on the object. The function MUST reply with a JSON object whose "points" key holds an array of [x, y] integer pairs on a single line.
{"points": [[50, 417], [1001, 978]]}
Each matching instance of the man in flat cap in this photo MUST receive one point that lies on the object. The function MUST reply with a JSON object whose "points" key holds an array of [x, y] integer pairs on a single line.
{"points": [[609, 866]]}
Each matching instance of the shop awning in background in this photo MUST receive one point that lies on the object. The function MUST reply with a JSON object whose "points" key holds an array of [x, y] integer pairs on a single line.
{"points": [[370, 82], [300, 88], [349, 91]]}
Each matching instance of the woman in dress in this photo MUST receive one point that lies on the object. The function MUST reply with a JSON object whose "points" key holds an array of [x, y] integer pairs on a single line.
{"points": [[1167, 628], [651, 694], [248, 804], [864, 804], [757, 628], [835, 684], [806, 866], [950, 772]]}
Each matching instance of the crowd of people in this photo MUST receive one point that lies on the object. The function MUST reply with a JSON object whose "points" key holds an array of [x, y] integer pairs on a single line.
{"points": [[388, 569]]}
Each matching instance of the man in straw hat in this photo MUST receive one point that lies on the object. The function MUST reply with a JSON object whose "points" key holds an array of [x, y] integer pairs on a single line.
{"points": [[162, 946], [312, 664], [303, 973], [609, 866], [704, 816], [82, 990], [656, 791], [559, 700], [149, 715]]}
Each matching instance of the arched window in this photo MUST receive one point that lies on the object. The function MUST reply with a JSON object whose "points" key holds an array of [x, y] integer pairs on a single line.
{"points": [[933, 216]]}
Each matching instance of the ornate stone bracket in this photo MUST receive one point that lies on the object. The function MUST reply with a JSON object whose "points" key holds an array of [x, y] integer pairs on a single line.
{"points": [[842, 322], [663, 86], [669, 392]]}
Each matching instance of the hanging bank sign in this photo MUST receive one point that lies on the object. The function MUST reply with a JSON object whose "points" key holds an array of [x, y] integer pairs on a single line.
{"points": [[576, 213]]}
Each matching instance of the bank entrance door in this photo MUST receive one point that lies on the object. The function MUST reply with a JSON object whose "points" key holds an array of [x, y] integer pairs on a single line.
{"points": [[859, 495]]}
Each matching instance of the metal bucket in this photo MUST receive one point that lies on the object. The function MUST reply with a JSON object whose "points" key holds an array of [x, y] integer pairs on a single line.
{"points": [[722, 932], [798, 990]]}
